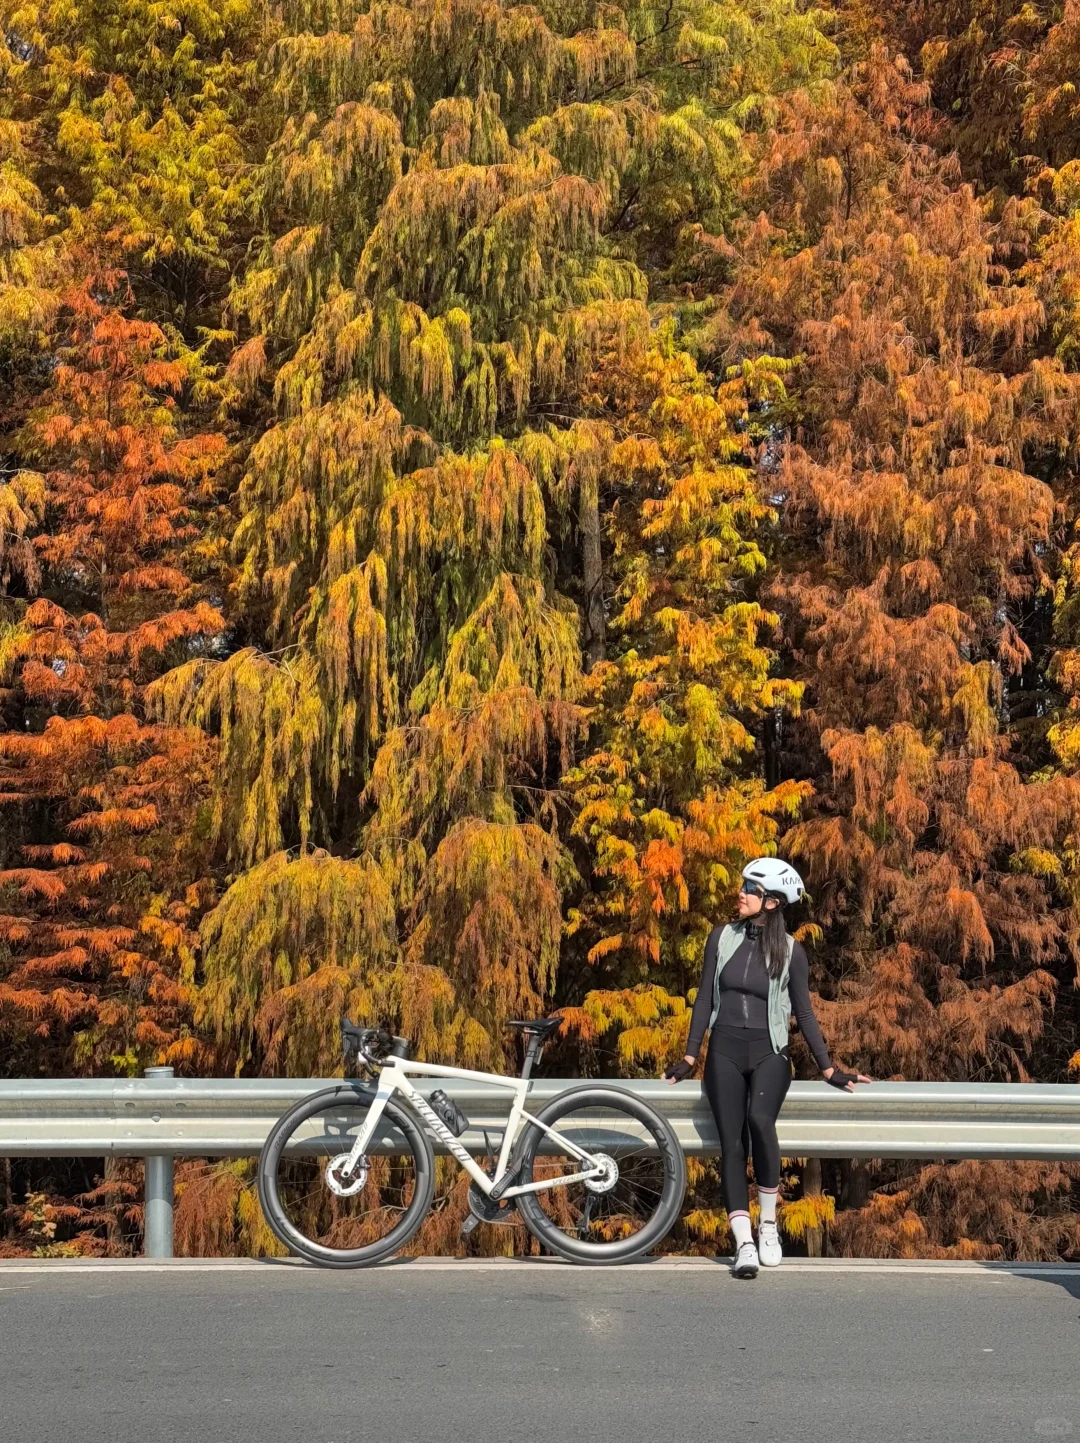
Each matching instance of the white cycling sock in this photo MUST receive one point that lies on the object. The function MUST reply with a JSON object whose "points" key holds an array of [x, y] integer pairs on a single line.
{"points": [[740, 1229], [767, 1197]]}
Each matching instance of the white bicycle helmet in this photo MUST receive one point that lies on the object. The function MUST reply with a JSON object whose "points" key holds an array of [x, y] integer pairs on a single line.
{"points": [[775, 876]]}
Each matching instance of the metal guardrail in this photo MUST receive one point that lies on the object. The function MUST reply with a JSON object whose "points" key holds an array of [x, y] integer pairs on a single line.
{"points": [[159, 1117]]}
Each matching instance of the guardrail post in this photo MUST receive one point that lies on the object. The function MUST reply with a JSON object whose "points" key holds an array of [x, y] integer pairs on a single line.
{"points": [[158, 1194]]}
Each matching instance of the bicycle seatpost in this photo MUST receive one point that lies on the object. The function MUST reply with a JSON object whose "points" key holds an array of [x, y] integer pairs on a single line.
{"points": [[532, 1052]]}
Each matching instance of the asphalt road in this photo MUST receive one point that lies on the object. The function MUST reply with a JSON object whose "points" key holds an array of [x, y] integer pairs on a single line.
{"points": [[423, 1353]]}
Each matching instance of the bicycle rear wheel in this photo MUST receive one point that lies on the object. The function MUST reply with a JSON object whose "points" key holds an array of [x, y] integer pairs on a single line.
{"points": [[329, 1218], [630, 1210]]}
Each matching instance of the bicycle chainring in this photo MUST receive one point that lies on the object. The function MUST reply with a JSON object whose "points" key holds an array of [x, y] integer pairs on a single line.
{"points": [[487, 1211]]}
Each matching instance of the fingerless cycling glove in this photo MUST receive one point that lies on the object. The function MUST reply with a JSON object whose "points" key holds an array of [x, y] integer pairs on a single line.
{"points": [[678, 1070]]}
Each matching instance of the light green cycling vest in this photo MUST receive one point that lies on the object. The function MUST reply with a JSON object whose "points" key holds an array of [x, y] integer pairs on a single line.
{"points": [[779, 1004]]}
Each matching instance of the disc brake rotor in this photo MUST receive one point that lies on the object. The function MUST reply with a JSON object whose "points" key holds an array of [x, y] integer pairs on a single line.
{"points": [[606, 1180], [340, 1182]]}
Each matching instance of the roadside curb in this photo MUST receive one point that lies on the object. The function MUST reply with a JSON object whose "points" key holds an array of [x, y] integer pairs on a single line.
{"points": [[718, 1265]]}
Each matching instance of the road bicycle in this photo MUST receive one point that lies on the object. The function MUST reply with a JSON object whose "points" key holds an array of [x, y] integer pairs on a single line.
{"points": [[347, 1176]]}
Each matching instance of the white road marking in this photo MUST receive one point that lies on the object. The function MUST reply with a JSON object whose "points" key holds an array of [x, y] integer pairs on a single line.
{"points": [[830, 1267]]}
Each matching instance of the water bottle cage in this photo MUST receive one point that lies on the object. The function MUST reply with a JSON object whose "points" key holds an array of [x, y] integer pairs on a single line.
{"points": [[448, 1112]]}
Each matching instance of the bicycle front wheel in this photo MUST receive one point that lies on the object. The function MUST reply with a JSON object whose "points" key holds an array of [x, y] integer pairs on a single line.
{"points": [[332, 1218], [624, 1213]]}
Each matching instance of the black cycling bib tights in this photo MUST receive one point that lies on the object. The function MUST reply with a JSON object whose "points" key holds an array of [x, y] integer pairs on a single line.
{"points": [[746, 1083]]}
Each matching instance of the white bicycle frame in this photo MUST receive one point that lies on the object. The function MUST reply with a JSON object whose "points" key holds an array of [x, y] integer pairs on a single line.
{"points": [[393, 1078]]}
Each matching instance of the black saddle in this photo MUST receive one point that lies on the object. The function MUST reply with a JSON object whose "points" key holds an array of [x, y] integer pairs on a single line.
{"points": [[540, 1025]]}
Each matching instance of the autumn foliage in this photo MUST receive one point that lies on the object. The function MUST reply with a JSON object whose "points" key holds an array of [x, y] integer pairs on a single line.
{"points": [[473, 475]]}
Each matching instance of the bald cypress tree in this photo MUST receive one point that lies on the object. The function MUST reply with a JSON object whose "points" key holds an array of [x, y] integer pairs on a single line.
{"points": [[448, 281], [919, 528]]}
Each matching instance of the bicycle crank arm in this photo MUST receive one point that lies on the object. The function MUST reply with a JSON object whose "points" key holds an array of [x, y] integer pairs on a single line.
{"points": [[585, 1221]]}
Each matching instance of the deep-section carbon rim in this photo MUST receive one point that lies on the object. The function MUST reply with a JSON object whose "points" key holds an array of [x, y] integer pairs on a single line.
{"points": [[305, 1214], [634, 1215]]}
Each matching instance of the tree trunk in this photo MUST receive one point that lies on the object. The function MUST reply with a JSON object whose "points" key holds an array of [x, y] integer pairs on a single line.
{"points": [[6, 1197], [772, 734], [855, 1183], [592, 566], [811, 1186], [114, 1246]]}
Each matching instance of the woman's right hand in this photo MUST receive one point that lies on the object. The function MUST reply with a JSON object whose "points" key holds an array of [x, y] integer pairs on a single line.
{"points": [[676, 1071]]}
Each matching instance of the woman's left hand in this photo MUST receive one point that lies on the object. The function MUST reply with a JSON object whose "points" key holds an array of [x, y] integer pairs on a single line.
{"points": [[845, 1081]]}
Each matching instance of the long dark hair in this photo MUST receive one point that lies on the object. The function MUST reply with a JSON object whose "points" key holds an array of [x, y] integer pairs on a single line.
{"points": [[773, 933]]}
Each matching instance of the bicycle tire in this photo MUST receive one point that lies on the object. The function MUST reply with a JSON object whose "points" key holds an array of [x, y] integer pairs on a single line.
{"points": [[669, 1151], [356, 1095]]}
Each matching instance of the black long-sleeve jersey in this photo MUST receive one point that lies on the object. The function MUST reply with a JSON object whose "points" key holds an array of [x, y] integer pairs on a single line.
{"points": [[744, 993]]}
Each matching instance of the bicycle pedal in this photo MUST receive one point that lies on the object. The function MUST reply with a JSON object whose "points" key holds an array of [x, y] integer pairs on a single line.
{"points": [[470, 1225]]}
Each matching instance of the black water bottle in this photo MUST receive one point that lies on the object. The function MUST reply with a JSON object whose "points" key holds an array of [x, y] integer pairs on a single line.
{"points": [[447, 1109]]}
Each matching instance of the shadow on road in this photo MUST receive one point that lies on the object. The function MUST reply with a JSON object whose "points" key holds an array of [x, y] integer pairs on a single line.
{"points": [[1070, 1281]]}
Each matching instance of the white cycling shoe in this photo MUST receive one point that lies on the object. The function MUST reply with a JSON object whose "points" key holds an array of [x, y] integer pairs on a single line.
{"points": [[746, 1261], [769, 1250]]}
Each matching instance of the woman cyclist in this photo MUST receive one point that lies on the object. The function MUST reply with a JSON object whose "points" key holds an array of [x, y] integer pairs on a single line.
{"points": [[755, 975]]}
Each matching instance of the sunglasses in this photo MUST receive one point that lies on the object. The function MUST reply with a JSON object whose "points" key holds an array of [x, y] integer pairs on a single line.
{"points": [[751, 889]]}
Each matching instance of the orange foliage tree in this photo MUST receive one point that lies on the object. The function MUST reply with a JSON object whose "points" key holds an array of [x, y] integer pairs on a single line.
{"points": [[916, 532], [105, 849], [105, 820]]}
